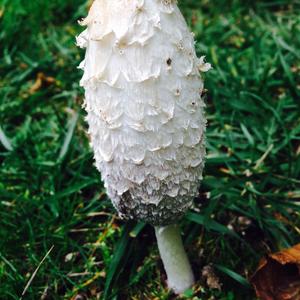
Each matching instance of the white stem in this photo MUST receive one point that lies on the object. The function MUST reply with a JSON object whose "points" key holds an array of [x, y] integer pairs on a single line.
{"points": [[173, 255]]}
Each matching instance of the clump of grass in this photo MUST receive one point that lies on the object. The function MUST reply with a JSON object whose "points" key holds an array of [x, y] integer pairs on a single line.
{"points": [[51, 194]]}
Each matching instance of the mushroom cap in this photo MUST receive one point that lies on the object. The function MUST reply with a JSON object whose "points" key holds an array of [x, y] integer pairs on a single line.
{"points": [[144, 107]]}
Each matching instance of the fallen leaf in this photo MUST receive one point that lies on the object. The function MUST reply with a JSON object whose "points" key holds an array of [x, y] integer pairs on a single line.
{"points": [[278, 276], [40, 81], [212, 280]]}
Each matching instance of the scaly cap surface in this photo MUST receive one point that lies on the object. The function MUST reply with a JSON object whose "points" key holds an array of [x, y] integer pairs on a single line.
{"points": [[144, 107]]}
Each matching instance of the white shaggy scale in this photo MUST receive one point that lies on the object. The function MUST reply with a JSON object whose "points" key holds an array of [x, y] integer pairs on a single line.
{"points": [[144, 107]]}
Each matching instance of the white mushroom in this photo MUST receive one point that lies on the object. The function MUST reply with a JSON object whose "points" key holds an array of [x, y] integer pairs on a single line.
{"points": [[145, 115]]}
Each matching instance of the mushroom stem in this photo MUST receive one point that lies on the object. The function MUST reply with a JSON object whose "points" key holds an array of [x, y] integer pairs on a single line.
{"points": [[176, 263]]}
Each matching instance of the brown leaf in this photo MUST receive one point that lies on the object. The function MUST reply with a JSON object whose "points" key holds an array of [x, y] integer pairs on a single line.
{"points": [[278, 276], [211, 278], [41, 80]]}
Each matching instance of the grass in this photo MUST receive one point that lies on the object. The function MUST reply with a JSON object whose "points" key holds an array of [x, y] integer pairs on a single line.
{"points": [[52, 196]]}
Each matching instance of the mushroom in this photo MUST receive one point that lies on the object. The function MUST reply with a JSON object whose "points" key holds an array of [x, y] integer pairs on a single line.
{"points": [[145, 114]]}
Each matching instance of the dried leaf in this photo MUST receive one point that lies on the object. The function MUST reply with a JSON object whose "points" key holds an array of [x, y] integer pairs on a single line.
{"points": [[278, 276], [212, 280], [41, 80]]}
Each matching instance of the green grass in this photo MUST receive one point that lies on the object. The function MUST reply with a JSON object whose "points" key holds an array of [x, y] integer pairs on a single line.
{"points": [[51, 194]]}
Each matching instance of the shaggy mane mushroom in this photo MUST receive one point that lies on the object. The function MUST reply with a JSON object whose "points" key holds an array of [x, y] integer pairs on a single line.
{"points": [[145, 114]]}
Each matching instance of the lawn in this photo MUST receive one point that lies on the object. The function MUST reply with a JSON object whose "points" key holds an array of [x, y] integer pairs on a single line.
{"points": [[55, 218]]}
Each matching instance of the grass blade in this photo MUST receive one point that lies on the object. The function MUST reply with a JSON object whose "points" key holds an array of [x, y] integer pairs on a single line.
{"points": [[137, 229], [237, 277], [53, 201], [5, 141], [35, 272], [68, 138], [210, 224], [118, 259], [247, 134]]}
